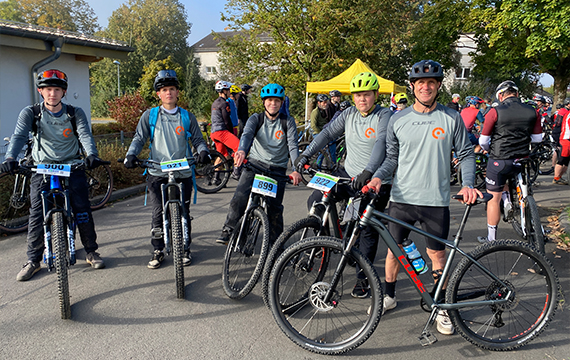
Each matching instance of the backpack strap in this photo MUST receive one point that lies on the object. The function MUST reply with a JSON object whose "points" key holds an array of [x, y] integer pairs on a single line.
{"points": [[153, 117], [282, 117]]}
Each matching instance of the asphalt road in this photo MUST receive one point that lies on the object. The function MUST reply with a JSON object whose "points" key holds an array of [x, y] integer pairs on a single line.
{"points": [[128, 311]]}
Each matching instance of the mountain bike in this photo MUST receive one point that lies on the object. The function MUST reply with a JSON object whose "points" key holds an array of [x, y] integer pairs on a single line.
{"points": [[499, 297], [15, 192], [249, 243], [326, 215], [541, 154], [320, 161], [523, 215], [175, 218]]}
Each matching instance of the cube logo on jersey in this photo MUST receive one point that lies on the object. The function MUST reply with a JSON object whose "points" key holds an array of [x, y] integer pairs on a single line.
{"points": [[278, 134], [179, 130], [67, 132], [438, 133], [370, 133]]}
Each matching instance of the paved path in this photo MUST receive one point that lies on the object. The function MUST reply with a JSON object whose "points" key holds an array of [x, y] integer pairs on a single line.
{"points": [[127, 311]]}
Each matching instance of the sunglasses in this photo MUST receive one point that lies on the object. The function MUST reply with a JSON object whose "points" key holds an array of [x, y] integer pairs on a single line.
{"points": [[166, 74], [48, 74]]}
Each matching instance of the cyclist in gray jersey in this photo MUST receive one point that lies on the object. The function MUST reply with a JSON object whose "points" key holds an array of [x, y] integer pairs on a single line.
{"points": [[365, 127], [55, 142], [169, 142], [269, 147], [418, 148]]}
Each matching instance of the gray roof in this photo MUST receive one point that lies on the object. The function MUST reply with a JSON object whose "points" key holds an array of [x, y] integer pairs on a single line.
{"points": [[69, 37], [211, 44]]}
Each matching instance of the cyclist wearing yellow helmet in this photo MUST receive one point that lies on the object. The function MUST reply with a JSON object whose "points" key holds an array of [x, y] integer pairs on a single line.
{"points": [[364, 125], [401, 100]]}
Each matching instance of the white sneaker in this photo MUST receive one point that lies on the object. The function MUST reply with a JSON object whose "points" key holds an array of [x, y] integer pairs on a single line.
{"points": [[389, 303], [444, 325]]}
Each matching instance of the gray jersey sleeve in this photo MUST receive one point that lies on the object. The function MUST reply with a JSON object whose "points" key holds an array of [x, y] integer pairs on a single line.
{"points": [[142, 134], [21, 133], [379, 149], [390, 162], [330, 133], [292, 143], [196, 137], [249, 133]]}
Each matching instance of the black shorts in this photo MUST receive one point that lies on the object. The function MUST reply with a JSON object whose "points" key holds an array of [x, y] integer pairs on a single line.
{"points": [[498, 172], [432, 219]]}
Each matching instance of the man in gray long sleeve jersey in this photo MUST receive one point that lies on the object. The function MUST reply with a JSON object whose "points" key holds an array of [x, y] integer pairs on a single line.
{"points": [[56, 140], [269, 147], [365, 127], [169, 141], [418, 146]]}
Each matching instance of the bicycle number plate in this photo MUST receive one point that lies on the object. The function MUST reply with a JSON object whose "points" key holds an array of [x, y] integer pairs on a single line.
{"points": [[54, 169], [323, 182], [174, 165], [265, 186]]}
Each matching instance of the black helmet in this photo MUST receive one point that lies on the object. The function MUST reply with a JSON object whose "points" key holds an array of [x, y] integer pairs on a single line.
{"points": [[322, 97], [559, 106], [504, 86], [426, 69], [344, 105], [539, 98], [52, 77], [246, 87], [566, 101], [166, 78], [335, 93]]}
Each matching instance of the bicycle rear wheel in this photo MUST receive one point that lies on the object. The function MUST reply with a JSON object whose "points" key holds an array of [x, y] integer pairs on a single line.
{"points": [[246, 254], [302, 229], [100, 185], [213, 177], [177, 247], [59, 241], [299, 281], [528, 274], [321, 161], [14, 202], [533, 227]]}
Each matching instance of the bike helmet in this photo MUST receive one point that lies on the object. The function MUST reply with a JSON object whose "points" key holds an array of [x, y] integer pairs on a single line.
{"points": [[272, 90], [474, 100], [456, 96], [365, 81], [549, 100], [166, 78], [222, 85], [52, 77], [559, 106], [504, 86], [234, 89], [540, 98], [322, 97], [401, 98], [344, 105], [426, 69], [566, 101], [335, 93], [246, 87]]}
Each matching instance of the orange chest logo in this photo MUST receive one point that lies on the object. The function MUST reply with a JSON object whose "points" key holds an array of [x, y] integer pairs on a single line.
{"points": [[438, 133], [370, 133], [179, 130], [278, 134], [67, 132]]}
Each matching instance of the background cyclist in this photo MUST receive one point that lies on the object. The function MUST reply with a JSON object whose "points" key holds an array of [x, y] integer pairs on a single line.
{"points": [[401, 101], [470, 115]]}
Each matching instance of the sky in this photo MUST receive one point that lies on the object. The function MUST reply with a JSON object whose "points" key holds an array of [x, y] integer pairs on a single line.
{"points": [[203, 15]]}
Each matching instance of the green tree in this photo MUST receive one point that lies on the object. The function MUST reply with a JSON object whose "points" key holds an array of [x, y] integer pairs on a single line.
{"points": [[10, 10], [147, 80]]}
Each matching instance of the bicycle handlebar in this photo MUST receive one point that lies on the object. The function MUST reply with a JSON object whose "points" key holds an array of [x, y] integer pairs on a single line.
{"points": [[152, 164]]}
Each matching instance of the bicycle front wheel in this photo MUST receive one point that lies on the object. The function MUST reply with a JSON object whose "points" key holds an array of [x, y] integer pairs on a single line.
{"points": [[213, 177], [535, 234], [177, 247], [100, 185], [59, 241], [526, 274], [299, 283], [246, 254], [302, 229], [14, 202]]}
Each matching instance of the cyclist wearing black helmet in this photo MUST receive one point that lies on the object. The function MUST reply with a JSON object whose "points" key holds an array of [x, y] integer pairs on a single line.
{"points": [[169, 128], [319, 115], [243, 107], [418, 148], [508, 130], [269, 140], [58, 136], [335, 100]]}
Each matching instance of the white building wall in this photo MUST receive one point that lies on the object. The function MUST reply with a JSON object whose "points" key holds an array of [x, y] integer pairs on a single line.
{"points": [[208, 60], [16, 85]]}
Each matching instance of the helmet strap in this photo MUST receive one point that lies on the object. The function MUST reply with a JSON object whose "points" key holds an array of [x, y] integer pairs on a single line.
{"points": [[427, 106]]}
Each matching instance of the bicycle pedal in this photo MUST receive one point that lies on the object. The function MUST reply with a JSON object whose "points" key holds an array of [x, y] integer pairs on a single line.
{"points": [[427, 338]]}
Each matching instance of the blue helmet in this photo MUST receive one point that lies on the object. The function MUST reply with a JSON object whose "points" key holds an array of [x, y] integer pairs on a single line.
{"points": [[272, 90], [474, 100]]}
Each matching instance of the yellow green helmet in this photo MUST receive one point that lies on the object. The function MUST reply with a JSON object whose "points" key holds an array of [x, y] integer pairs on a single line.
{"points": [[365, 81], [401, 98], [234, 89]]}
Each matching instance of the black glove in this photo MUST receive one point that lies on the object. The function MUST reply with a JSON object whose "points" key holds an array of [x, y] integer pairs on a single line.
{"points": [[204, 158], [93, 161], [300, 162], [362, 179], [9, 166], [131, 161]]}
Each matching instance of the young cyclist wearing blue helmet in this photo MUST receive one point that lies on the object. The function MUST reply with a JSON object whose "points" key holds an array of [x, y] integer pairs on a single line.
{"points": [[269, 139]]}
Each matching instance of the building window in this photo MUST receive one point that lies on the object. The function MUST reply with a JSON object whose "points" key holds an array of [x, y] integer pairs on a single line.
{"points": [[462, 73], [211, 70]]}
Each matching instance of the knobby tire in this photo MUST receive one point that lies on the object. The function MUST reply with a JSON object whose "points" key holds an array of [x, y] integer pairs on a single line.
{"points": [[100, 185], [59, 241], [177, 247], [206, 180], [14, 212]]}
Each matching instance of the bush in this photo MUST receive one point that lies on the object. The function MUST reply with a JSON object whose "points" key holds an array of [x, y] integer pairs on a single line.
{"points": [[127, 110], [122, 177], [103, 129]]}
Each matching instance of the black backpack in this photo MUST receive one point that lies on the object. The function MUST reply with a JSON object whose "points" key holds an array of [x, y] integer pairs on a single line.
{"points": [[37, 109]]}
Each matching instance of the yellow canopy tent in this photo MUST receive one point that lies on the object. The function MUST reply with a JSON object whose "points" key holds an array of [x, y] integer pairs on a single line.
{"points": [[342, 82]]}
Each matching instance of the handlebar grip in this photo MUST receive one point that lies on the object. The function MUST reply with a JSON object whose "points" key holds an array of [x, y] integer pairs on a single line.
{"points": [[365, 189], [306, 166], [120, 161]]}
